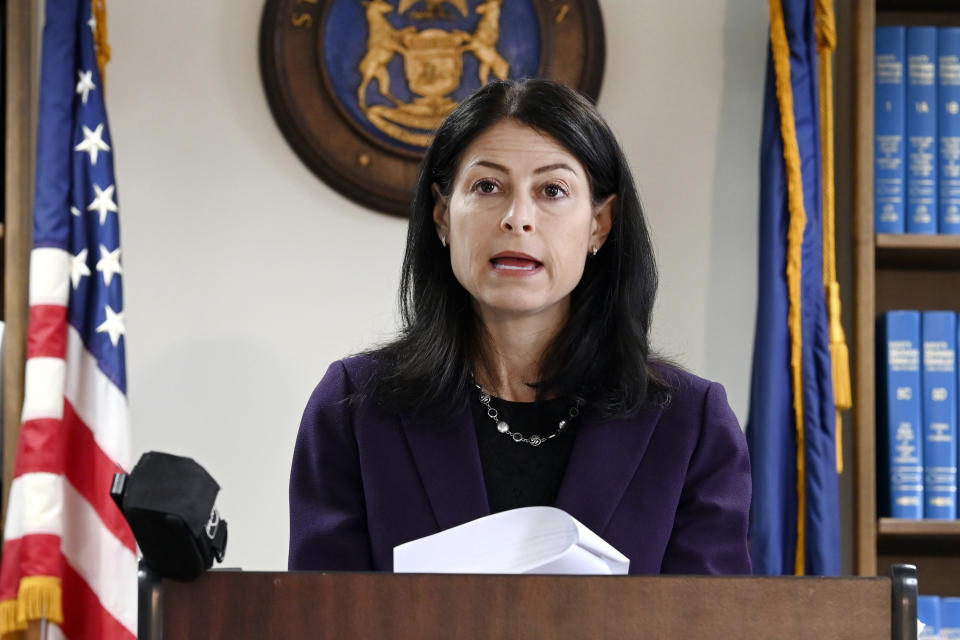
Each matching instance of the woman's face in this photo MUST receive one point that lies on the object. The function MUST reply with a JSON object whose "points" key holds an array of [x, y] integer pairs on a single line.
{"points": [[520, 223]]}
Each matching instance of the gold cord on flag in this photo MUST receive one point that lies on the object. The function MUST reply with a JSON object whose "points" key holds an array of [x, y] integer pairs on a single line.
{"points": [[839, 354], [798, 222], [101, 46]]}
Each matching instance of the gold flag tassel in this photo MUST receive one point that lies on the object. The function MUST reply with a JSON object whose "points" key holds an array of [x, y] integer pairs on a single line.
{"points": [[780, 48], [100, 37], [839, 353]]}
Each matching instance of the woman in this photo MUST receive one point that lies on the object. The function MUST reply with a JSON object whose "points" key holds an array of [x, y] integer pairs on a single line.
{"points": [[522, 374]]}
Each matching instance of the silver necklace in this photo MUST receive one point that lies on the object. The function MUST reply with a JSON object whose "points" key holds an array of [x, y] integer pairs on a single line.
{"points": [[504, 428]]}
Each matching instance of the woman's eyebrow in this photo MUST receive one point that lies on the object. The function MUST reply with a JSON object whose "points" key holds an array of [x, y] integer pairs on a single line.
{"points": [[491, 165], [502, 168], [559, 165]]}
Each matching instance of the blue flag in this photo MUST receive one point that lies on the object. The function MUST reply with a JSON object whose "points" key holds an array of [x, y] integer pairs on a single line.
{"points": [[795, 526]]}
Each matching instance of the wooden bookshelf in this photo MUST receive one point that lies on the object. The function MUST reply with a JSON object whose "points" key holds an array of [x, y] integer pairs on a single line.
{"points": [[892, 272]]}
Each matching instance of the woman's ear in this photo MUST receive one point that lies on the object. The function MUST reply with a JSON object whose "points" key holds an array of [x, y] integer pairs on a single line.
{"points": [[602, 221], [441, 216]]}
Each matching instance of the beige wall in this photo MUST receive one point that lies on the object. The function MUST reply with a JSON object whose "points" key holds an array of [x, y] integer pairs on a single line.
{"points": [[245, 275]]}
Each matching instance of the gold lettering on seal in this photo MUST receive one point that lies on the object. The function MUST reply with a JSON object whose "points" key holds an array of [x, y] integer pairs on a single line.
{"points": [[304, 20], [562, 13]]}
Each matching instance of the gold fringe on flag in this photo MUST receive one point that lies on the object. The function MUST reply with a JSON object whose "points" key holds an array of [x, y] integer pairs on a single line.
{"points": [[39, 597], [839, 353], [798, 222], [8, 619], [102, 47]]}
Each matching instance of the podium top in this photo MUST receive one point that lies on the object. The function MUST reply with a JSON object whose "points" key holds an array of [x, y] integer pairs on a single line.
{"points": [[240, 605]]}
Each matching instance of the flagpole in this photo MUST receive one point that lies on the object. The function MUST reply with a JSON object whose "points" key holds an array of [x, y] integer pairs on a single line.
{"points": [[21, 129]]}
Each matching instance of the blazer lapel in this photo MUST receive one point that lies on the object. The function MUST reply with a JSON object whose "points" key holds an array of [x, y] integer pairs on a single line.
{"points": [[604, 459], [448, 460]]}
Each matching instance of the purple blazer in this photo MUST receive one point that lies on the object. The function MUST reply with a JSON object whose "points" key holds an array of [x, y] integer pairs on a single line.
{"points": [[668, 487]]}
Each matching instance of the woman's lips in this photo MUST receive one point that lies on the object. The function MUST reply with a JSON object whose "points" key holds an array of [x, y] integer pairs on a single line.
{"points": [[515, 265]]}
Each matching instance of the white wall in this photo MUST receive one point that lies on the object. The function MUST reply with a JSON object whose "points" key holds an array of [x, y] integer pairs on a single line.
{"points": [[245, 275]]}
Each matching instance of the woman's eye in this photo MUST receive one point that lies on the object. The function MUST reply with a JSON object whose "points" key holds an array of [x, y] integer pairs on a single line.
{"points": [[485, 186], [554, 191]]}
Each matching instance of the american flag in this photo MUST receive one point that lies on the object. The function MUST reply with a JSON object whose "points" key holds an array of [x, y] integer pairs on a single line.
{"points": [[68, 554]]}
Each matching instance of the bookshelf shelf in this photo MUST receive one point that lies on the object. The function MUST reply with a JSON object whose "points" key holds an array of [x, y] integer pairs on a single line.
{"points": [[913, 251], [893, 529], [916, 6]]}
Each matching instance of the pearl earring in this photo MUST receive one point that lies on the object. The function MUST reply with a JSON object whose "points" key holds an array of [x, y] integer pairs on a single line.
{"points": [[443, 241], [594, 249]]}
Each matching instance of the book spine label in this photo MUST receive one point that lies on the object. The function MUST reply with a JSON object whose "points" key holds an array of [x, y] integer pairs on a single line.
{"points": [[901, 335], [928, 612], [948, 127], [921, 130], [890, 130], [939, 332], [949, 618]]}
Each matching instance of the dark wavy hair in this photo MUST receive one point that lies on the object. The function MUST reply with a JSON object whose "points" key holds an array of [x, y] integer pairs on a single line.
{"points": [[602, 355]]}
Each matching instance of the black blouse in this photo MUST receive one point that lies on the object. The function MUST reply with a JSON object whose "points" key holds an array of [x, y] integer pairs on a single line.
{"points": [[517, 474]]}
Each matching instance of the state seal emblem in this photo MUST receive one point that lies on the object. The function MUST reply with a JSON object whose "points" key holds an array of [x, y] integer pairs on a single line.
{"points": [[358, 87]]}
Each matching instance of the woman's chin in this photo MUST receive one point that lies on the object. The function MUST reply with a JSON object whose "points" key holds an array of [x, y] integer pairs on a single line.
{"points": [[516, 307]]}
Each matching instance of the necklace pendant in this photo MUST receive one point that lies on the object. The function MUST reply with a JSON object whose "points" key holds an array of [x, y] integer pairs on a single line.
{"points": [[503, 427], [536, 440]]}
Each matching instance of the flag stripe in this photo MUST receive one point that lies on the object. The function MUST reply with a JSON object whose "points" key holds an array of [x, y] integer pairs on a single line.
{"points": [[35, 505], [91, 473], [85, 617], [41, 447], [49, 277], [107, 565], [47, 337], [43, 388], [40, 553], [97, 401], [67, 447]]}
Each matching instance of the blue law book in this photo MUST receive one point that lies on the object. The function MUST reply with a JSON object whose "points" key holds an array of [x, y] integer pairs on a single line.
{"points": [[922, 195], [949, 618], [948, 127], [901, 432], [890, 122], [928, 612], [939, 333]]}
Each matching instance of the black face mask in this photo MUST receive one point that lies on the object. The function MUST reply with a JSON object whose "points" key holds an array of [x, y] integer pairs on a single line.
{"points": [[169, 502]]}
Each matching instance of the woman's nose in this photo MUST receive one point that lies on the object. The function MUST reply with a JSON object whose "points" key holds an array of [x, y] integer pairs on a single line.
{"points": [[520, 215]]}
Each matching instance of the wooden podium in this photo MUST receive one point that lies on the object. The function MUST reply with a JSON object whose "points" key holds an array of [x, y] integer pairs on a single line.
{"points": [[238, 605]]}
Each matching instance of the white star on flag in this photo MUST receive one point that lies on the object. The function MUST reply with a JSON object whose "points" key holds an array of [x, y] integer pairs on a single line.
{"points": [[92, 142], [103, 202], [113, 325], [85, 86], [75, 211], [92, 23], [109, 263], [79, 268]]}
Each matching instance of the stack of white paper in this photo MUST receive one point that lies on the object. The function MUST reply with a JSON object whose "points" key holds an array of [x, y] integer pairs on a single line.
{"points": [[526, 540]]}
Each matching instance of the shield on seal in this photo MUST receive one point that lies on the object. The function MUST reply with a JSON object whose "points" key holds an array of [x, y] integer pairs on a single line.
{"points": [[433, 63]]}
